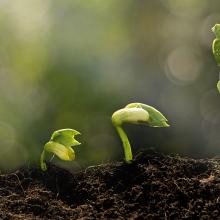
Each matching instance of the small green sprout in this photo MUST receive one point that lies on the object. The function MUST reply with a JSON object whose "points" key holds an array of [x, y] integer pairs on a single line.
{"points": [[136, 113], [216, 48], [60, 145]]}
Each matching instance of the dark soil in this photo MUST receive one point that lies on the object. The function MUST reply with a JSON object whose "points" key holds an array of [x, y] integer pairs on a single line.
{"points": [[154, 186]]}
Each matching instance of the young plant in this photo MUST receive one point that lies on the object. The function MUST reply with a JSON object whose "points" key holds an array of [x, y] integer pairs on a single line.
{"points": [[60, 144], [136, 113], [216, 48]]}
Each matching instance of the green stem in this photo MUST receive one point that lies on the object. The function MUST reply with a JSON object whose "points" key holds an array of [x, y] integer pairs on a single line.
{"points": [[42, 161], [126, 144]]}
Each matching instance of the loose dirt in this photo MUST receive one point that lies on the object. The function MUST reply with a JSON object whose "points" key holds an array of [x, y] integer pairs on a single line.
{"points": [[154, 186]]}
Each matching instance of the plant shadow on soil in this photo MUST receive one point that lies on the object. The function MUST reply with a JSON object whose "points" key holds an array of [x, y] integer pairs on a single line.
{"points": [[154, 186]]}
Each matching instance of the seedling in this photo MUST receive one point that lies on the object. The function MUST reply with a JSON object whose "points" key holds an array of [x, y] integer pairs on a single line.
{"points": [[60, 144], [216, 48], [136, 113]]}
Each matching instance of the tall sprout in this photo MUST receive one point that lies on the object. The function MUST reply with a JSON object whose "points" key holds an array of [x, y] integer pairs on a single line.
{"points": [[216, 48], [136, 113]]}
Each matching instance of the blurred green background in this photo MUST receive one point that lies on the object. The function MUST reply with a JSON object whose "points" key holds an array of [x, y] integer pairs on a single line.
{"points": [[71, 64]]}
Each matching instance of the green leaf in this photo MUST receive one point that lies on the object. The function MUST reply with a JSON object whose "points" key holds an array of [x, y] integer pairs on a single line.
{"points": [[156, 119], [64, 153], [216, 50], [65, 137], [216, 30], [218, 86]]}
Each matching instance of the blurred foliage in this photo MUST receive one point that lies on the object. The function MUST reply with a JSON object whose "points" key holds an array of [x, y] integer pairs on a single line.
{"points": [[71, 64]]}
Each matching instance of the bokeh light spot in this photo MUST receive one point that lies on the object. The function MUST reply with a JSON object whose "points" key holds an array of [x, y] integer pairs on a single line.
{"points": [[183, 65]]}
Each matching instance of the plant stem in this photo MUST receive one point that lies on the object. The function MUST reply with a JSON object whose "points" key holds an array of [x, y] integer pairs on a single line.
{"points": [[126, 144], [42, 161]]}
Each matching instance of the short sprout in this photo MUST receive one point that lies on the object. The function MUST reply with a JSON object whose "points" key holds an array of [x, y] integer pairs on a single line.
{"points": [[60, 144], [136, 113]]}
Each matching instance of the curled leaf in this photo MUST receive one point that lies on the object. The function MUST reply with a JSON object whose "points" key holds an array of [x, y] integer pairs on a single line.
{"points": [[64, 153], [65, 137]]}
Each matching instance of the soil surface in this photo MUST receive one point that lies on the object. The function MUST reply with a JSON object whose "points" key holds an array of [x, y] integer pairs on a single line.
{"points": [[154, 186]]}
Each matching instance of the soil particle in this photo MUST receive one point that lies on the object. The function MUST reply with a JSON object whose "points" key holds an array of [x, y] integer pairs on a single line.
{"points": [[154, 186]]}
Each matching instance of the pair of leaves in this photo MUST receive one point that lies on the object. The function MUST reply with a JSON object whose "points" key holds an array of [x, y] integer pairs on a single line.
{"points": [[138, 113], [156, 118]]}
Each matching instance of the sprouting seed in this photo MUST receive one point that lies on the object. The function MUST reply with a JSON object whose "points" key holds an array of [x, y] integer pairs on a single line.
{"points": [[60, 144], [136, 113]]}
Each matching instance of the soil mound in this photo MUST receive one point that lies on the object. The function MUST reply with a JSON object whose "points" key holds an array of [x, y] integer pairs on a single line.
{"points": [[154, 186]]}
